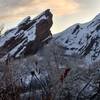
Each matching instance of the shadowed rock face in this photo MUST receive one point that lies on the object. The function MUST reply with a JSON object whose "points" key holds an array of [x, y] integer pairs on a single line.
{"points": [[27, 37]]}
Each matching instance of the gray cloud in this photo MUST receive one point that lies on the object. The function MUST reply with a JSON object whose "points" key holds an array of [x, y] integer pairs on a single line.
{"points": [[13, 3], [16, 7], [88, 4], [8, 6]]}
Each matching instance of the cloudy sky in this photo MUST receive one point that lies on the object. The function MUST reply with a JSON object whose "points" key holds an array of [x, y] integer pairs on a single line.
{"points": [[66, 12]]}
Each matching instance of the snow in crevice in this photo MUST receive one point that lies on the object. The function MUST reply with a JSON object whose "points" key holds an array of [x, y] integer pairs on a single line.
{"points": [[18, 54], [41, 18], [25, 20], [6, 37], [31, 32], [14, 50]]}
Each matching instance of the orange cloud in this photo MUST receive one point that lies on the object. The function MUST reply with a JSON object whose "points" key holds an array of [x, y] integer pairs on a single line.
{"points": [[62, 7], [58, 7], [13, 10]]}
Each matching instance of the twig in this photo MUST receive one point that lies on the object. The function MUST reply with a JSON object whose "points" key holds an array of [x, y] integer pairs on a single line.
{"points": [[83, 89]]}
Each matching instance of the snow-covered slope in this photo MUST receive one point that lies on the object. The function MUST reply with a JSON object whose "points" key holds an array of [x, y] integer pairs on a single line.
{"points": [[83, 39], [27, 37]]}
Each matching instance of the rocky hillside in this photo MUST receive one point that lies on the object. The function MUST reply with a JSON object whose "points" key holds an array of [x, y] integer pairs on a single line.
{"points": [[27, 37], [82, 39]]}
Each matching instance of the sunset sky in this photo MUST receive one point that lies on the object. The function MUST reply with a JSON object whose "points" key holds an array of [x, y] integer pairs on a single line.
{"points": [[66, 12]]}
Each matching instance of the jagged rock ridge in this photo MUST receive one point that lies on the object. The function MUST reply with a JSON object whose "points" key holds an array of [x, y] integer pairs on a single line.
{"points": [[27, 37], [83, 39]]}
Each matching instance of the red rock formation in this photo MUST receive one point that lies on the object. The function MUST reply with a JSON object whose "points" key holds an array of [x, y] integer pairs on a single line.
{"points": [[27, 37]]}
